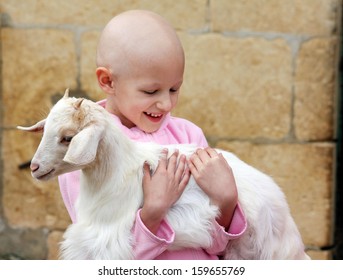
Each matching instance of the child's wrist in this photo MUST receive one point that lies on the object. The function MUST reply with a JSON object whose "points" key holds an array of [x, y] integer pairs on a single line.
{"points": [[226, 199], [227, 205], [151, 218]]}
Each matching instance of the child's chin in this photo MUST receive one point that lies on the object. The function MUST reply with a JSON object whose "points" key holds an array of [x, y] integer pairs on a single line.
{"points": [[150, 128]]}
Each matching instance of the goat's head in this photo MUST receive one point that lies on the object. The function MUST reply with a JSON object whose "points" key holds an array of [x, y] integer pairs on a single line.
{"points": [[71, 135]]}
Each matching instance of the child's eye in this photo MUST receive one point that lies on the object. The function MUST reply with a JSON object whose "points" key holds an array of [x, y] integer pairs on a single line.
{"points": [[149, 91], [173, 90]]}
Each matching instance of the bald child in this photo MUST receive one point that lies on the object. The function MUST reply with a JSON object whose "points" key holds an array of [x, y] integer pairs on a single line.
{"points": [[140, 66]]}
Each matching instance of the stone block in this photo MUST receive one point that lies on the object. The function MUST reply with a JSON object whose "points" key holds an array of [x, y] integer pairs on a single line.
{"points": [[240, 84], [237, 88], [59, 13], [27, 202], [320, 255], [37, 64], [54, 238], [89, 42], [305, 17], [23, 244], [304, 172], [315, 84], [182, 14]]}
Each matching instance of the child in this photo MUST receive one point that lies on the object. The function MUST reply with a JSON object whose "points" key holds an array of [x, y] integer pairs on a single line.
{"points": [[140, 64]]}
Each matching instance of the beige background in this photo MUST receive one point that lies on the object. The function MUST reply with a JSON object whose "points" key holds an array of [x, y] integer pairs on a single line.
{"points": [[260, 80]]}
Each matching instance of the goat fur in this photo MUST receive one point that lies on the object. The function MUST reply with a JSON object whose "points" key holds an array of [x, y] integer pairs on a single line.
{"points": [[111, 191]]}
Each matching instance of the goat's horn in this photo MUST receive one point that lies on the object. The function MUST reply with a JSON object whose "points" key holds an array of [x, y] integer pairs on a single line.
{"points": [[66, 93]]}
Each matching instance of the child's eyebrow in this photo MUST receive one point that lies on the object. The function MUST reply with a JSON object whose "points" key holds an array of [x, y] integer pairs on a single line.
{"points": [[151, 84]]}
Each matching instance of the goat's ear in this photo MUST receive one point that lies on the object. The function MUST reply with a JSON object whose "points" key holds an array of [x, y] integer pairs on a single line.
{"points": [[84, 145], [66, 94], [38, 127], [78, 103]]}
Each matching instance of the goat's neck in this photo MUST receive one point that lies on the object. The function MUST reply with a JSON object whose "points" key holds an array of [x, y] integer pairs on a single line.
{"points": [[115, 158], [115, 178]]}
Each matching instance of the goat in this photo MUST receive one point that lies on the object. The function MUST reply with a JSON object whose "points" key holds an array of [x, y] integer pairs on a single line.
{"points": [[80, 134]]}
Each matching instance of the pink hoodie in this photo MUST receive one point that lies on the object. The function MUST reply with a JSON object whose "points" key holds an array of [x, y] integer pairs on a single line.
{"points": [[147, 245]]}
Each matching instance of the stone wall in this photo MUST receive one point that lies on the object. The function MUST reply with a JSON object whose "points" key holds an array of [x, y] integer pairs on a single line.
{"points": [[260, 80]]}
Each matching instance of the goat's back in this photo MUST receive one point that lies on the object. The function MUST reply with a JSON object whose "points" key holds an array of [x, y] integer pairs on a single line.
{"points": [[271, 231]]}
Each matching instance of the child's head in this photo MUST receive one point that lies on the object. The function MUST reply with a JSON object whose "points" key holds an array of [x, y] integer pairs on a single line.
{"points": [[140, 63]]}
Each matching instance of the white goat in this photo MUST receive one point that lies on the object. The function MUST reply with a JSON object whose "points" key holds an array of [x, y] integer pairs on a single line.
{"points": [[79, 134]]}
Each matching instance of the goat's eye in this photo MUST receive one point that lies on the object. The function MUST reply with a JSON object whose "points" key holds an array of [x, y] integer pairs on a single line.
{"points": [[66, 140]]}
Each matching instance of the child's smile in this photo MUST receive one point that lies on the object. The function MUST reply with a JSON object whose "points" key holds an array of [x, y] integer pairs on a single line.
{"points": [[154, 117]]}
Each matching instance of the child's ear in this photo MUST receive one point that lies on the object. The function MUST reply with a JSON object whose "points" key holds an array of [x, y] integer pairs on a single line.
{"points": [[105, 79]]}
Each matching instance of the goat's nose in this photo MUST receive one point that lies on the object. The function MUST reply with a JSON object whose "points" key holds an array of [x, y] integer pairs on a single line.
{"points": [[34, 166]]}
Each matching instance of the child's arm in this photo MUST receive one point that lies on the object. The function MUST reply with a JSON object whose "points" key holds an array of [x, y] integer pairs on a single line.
{"points": [[162, 189], [214, 175]]}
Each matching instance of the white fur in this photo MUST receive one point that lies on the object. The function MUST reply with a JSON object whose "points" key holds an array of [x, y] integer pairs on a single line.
{"points": [[111, 191]]}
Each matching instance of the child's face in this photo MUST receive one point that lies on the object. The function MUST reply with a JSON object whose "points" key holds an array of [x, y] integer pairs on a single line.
{"points": [[144, 96]]}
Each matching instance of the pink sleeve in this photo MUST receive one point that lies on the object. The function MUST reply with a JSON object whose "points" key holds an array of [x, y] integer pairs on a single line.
{"points": [[148, 246], [238, 223], [70, 187], [221, 237], [198, 137], [203, 142]]}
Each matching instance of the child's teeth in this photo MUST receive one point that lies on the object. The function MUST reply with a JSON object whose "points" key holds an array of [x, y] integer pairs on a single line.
{"points": [[153, 115]]}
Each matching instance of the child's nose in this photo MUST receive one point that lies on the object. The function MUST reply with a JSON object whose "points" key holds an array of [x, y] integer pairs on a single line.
{"points": [[165, 103]]}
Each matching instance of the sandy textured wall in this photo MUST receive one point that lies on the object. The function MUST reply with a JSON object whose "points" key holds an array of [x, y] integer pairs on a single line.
{"points": [[260, 80]]}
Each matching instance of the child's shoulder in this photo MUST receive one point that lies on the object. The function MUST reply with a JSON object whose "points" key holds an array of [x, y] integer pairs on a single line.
{"points": [[182, 123], [186, 131]]}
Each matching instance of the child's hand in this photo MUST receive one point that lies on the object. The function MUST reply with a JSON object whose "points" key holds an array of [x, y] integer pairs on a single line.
{"points": [[214, 175], [162, 189]]}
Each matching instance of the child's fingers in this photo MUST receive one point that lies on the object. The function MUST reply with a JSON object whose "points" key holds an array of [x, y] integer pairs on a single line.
{"points": [[146, 172], [211, 152], [180, 168], [172, 162], [202, 155], [197, 160], [185, 179], [163, 162], [193, 170], [205, 155]]}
